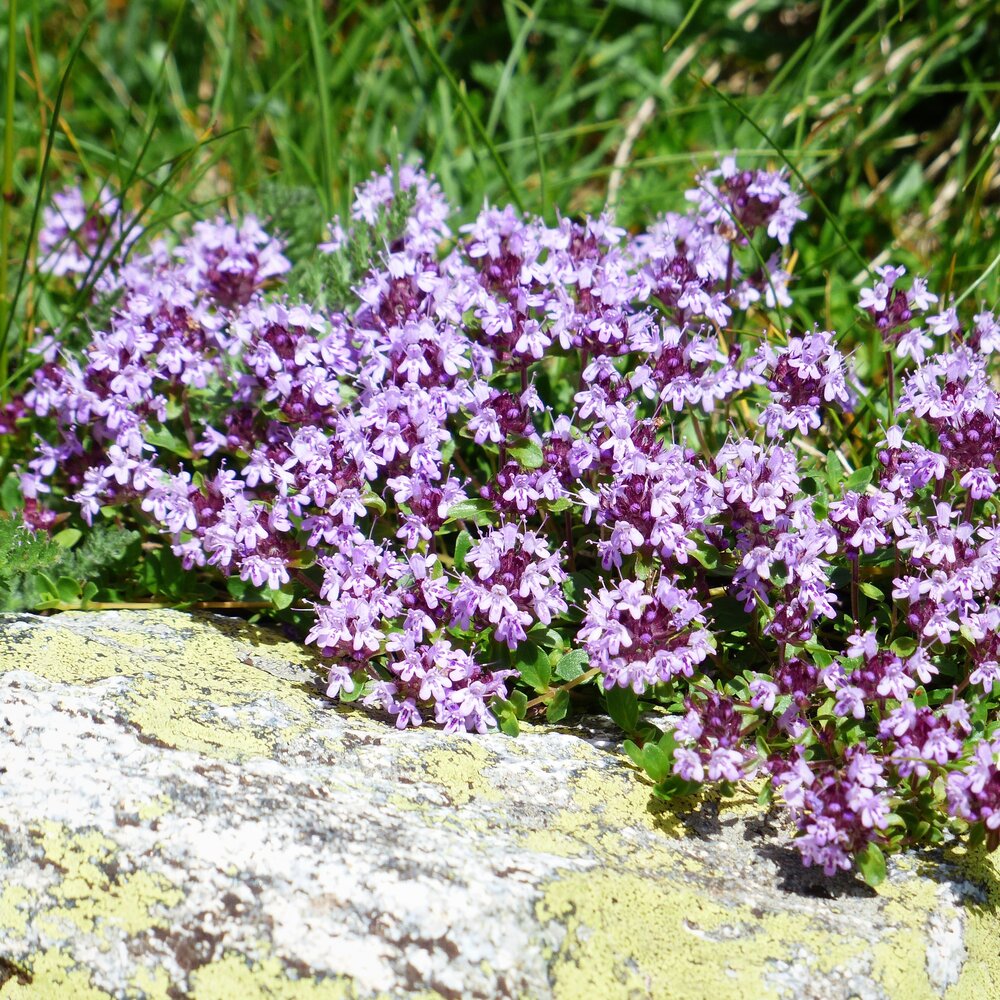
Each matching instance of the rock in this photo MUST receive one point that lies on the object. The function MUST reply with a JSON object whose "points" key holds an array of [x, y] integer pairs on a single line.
{"points": [[182, 813]]}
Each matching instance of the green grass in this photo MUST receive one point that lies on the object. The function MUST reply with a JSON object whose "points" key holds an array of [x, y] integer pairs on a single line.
{"points": [[886, 111]]}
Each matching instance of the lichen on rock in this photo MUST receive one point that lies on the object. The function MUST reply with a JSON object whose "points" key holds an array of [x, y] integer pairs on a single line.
{"points": [[185, 814]]}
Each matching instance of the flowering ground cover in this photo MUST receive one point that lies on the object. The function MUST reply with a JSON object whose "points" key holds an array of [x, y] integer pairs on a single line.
{"points": [[499, 466]]}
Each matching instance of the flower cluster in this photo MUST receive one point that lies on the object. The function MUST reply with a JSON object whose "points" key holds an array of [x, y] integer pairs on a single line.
{"points": [[519, 447]]}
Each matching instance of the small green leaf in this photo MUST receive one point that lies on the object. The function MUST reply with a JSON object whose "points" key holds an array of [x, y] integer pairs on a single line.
{"points": [[642, 568], [509, 724], [11, 497], [858, 481], [533, 665], [708, 557], [834, 470], [476, 511], [904, 646], [49, 591], [361, 687], [279, 598], [623, 707], [527, 453], [374, 501], [462, 545], [822, 657], [674, 787], [634, 752], [163, 437], [68, 589], [871, 864], [67, 538], [656, 763], [870, 590], [558, 506], [519, 703], [558, 707], [572, 665]]}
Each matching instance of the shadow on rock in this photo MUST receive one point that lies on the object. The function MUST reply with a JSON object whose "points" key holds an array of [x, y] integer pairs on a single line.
{"points": [[795, 878]]}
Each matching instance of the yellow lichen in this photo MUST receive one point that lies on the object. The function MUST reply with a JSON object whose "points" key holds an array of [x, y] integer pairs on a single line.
{"points": [[629, 935], [460, 769], [54, 976], [14, 902], [234, 976], [87, 895], [980, 976], [175, 696], [154, 808], [154, 983]]}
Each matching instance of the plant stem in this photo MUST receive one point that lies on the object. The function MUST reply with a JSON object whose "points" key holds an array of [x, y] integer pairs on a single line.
{"points": [[584, 677], [855, 583], [7, 193], [890, 384]]}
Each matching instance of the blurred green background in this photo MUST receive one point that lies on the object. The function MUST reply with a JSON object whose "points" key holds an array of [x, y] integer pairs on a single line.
{"points": [[888, 110]]}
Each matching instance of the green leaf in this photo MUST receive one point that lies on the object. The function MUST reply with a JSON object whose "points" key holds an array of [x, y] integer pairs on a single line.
{"points": [[656, 763], [904, 646], [509, 724], [675, 787], [67, 538], [533, 664], [67, 589], [527, 453], [634, 752], [822, 657], [623, 707], [476, 511], [558, 707], [558, 506], [163, 437], [48, 587], [240, 590], [870, 590], [642, 568], [546, 637], [11, 497], [708, 557], [572, 664], [462, 545], [519, 703], [871, 864], [834, 470], [374, 501], [858, 481], [279, 598], [361, 687]]}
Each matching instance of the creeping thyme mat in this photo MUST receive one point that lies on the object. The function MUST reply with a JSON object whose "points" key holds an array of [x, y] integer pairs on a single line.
{"points": [[504, 469]]}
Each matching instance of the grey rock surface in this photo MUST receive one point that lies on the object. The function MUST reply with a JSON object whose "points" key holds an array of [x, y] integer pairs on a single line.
{"points": [[182, 813]]}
